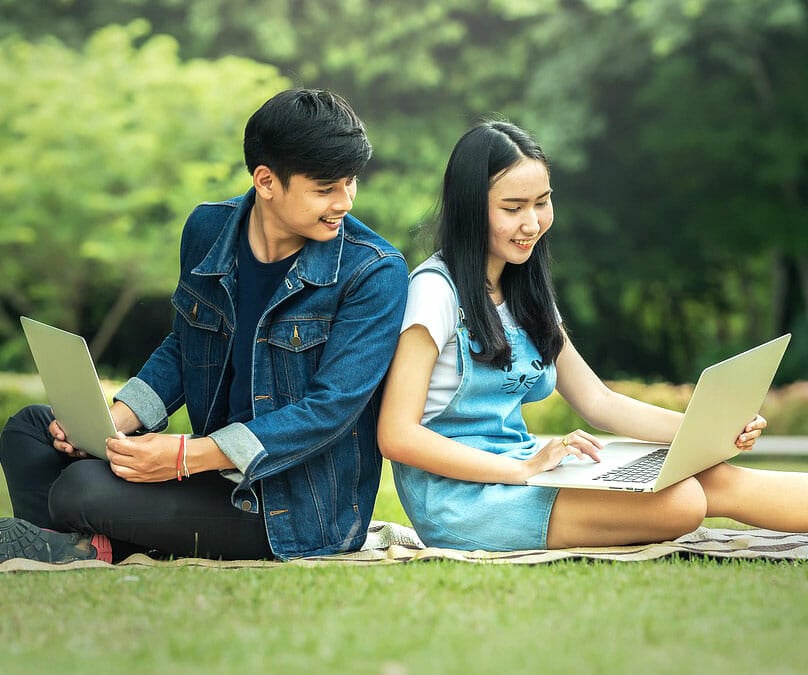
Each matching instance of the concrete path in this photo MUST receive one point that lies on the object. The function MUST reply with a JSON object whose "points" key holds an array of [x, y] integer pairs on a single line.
{"points": [[781, 445]]}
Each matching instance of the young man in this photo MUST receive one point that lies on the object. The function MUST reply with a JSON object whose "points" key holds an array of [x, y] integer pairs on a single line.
{"points": [[287, 316]]}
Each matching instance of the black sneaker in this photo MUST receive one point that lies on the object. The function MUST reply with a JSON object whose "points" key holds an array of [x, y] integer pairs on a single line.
{"points": [[21, 539]]}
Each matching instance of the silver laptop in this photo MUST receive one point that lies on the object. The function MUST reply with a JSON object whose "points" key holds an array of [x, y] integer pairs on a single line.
{"points": [[726, 397], [71, 384]]}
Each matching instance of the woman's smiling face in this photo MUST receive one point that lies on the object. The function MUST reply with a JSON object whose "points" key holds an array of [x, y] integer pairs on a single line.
{"points": [[520, 212]]}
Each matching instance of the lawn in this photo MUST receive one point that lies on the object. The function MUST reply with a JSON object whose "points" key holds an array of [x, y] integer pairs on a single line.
{"points": [[665, 616]]}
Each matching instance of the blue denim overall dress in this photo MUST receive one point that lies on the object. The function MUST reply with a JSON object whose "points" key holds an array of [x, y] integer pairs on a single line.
{"points": [[485, 413]]}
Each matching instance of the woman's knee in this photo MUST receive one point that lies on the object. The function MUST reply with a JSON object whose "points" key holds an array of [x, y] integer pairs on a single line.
{"points": [[684, 506], [720, 477]]}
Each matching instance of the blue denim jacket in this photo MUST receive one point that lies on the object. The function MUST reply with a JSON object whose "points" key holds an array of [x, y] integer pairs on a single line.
{"points": [[322, 347]]}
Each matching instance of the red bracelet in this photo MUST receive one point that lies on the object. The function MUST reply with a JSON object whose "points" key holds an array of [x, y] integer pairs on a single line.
{"points": [[180, 457]]}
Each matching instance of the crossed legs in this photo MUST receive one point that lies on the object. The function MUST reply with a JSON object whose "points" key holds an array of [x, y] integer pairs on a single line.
{"points": [[775, 500], [191, 518]]}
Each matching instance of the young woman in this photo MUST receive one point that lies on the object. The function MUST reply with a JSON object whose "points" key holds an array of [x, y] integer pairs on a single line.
{"points": [[482, 335]]}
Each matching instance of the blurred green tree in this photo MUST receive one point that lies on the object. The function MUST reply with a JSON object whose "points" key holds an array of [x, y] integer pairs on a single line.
{"points": [[694, 212], [105, 152], [676, 129]]}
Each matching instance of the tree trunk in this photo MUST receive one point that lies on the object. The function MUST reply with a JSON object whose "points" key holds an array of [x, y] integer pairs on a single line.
{"points": [[779, 290], [802, 273], [113, 319]]}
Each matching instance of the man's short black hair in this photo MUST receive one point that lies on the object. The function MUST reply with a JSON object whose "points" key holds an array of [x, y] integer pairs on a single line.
{"points": [[313, 132]]}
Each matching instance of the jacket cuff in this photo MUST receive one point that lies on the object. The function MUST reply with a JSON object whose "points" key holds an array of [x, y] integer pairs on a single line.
{"points": [[145, 403], [239, 444]]}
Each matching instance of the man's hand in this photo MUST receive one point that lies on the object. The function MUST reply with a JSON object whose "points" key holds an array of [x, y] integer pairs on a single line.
{"points": [[150, 458], [123, 417], [60, 442]]}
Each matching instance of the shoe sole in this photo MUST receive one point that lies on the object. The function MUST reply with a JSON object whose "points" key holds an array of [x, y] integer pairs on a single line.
{"points": [[21, 539]]}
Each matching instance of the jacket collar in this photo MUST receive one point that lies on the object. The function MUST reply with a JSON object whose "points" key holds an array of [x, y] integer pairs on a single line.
{"points": [[318, 262]]}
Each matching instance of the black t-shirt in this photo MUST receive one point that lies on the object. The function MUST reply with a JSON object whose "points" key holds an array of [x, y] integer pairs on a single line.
{"points": [[256, 283]]}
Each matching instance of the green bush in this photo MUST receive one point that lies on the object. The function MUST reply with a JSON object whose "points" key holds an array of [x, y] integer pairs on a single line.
{"points": [[785, 408], [17, 391], [552, 416]]}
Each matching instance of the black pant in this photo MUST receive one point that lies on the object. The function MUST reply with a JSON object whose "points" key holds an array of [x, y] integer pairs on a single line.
{"points": [[189, 518]]}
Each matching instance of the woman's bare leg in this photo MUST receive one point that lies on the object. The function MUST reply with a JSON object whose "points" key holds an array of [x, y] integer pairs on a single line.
{"points": [[777, 500], [603, 518]]}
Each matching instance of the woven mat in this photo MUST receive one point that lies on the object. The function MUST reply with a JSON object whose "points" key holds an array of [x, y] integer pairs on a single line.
{"points": [[390, 543]]}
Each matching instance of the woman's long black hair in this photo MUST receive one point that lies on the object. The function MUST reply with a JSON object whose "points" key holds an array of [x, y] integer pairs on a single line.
{"points": [[462, 238]]}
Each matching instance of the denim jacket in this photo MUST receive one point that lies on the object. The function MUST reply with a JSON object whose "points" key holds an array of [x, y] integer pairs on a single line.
{"points": [[321, 349]]}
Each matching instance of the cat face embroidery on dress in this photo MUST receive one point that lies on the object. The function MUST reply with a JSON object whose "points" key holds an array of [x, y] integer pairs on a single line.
{"points": [[514, 383]]}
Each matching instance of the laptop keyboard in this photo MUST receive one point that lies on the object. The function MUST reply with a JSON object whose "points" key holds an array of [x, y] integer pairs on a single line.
{"points": [[642, 470]]}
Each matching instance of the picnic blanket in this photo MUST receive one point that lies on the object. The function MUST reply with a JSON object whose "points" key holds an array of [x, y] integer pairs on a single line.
{"points": [[390, 543]]}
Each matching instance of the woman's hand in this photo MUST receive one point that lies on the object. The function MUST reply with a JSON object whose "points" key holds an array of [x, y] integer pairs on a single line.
{"points": [[150, 458], [60, 441], [751, 432], [578, 443]]}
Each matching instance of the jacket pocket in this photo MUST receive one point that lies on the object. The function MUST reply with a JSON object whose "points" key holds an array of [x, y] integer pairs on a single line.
{"points": [[295, 346], [200, 329]]}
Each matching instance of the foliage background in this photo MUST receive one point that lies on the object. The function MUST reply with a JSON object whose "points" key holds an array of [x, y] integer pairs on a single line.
{"points": [[677, 131]]}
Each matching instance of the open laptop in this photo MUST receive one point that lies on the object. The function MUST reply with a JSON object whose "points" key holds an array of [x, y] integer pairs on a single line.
{"points": [[72, 385], [727, 397]]}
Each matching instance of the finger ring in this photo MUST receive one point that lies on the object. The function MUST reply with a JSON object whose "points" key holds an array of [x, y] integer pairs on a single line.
{"points": [[565, 441]]}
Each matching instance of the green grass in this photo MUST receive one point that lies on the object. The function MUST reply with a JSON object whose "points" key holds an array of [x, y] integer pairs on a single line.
{"points": [[663, 616], [668, 616]]}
